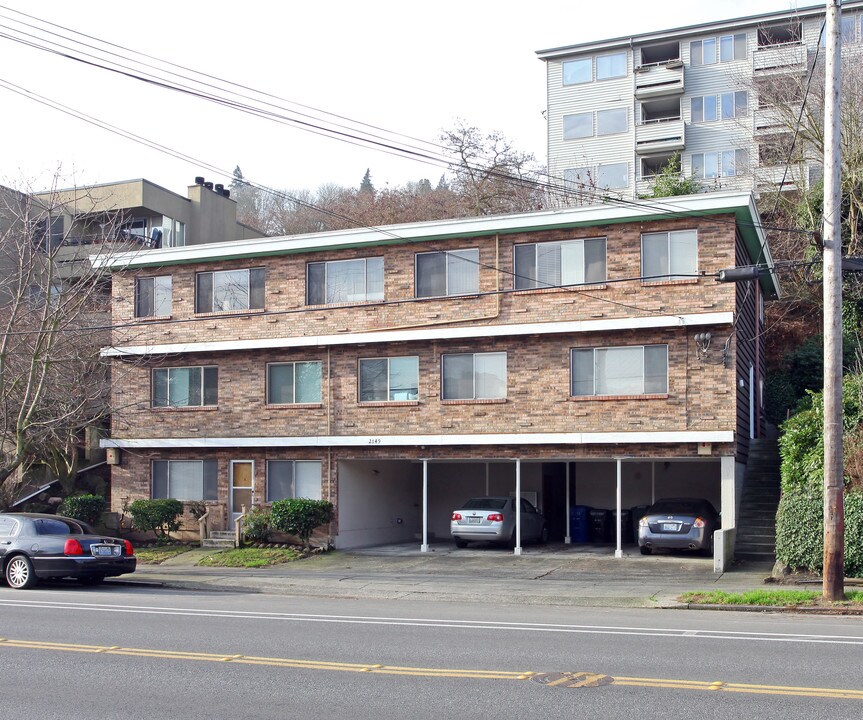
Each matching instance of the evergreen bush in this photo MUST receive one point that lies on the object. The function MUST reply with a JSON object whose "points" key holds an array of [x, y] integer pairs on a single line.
{"points": [[159, 516], [87, 508], [300, 516]]}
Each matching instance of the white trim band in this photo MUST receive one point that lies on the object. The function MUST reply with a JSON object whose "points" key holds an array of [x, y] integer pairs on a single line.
{"points": [[605, 438], [438, 333]]}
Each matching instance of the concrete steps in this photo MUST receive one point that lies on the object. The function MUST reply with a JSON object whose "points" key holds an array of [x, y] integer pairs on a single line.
{"points": [[221, 539], [756, 524]]}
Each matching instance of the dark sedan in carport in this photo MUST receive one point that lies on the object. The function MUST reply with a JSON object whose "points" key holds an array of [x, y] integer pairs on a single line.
{"points": [[678, 524], [34, 547]]}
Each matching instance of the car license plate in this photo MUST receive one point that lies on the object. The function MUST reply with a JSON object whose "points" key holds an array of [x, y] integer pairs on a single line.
{"points": [[670, 527], [474, 520], [105, 550]]}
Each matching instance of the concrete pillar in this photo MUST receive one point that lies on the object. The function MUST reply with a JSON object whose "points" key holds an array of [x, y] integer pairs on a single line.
{"points": [[618, 552], [517, 550], [425, 544], [568, 538]]}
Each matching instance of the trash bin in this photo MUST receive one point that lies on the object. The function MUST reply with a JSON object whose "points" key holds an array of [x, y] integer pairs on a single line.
{"points": [[600, 526], [579, 523], [625, 527], [638, 512]]}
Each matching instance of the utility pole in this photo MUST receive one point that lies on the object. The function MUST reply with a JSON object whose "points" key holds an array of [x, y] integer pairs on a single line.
{"points": [[834, 484]]}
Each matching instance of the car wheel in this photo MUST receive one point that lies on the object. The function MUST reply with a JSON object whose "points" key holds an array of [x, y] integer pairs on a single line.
{"points": [[93, 580], [19, 573], [461, 544], [645, 550], [543, 535]]}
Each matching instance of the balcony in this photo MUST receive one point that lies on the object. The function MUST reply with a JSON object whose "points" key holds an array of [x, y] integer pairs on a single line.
{"points": [[659, 80], [777, 59], [770, 121], [660, 136], [771, 178]]}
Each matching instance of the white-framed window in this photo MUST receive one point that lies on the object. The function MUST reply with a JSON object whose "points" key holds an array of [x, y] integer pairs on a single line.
{"points": [[726, 106], [669, 255], [389, 379], [229, 290], [185, 386], [173, 232], [613, 175], [724, 163], [611, 122], [725, 48], [635, 370], [185, 479], [611, 66], [344, 281], [577, 178], [153, 296], [289, 383], [473, 376], [578, 125], [567, 262], [135, 229], [287, 479], [450, 272], [576, 72]]}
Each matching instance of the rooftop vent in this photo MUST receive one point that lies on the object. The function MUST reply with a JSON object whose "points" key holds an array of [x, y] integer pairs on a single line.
{"points": [[208, 185], [219, 188], [199, 180]]}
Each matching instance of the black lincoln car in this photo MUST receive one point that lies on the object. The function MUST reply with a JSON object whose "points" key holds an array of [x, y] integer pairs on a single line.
{"points": [[35, 547]]}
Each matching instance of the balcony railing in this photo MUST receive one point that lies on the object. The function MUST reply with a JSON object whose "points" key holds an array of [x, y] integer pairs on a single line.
{"points": [[658, 136], [770, 59], [659, 80], [770, 121]]}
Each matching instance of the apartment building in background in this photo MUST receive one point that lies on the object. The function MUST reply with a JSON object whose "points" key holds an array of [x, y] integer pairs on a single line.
{"points": [[399, 371], [618, 109]]}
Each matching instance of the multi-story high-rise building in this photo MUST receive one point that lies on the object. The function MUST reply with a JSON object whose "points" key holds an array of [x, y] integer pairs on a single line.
{"points": [[618, 109]]}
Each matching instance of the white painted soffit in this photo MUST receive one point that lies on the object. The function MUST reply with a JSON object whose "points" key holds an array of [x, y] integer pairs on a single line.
{"points": [[375, 441], [443, 333], [587, 215]]}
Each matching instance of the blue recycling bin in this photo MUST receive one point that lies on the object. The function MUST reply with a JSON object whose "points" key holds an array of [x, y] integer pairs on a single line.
{"points": [[579, 523]]}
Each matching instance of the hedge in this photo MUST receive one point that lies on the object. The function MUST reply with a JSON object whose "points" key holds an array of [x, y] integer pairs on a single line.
{"points": [[300, 516], [256, 525], [87, 508], [159, 516]]}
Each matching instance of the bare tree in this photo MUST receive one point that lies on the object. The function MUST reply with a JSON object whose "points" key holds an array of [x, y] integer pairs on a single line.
{"points": [[54, 312]]}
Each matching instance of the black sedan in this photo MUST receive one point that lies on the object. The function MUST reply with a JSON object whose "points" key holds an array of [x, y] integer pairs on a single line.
{"points": [[34, 547], [678, 524]]}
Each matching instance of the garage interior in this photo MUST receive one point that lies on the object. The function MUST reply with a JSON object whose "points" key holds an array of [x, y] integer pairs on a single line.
{"points": [[380, 502]]}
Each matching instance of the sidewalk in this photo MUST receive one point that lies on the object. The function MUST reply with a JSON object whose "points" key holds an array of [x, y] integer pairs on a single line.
{"points": [[552, 575]]}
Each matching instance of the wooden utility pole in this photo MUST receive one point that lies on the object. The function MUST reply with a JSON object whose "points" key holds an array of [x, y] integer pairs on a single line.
{"points": [[834, 520]]}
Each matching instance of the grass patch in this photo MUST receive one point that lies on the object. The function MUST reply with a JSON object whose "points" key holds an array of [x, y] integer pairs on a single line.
{"points": [[776, 598], [251, 557], [158, 555]]}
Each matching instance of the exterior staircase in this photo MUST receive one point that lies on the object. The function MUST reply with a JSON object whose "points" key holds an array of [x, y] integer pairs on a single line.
{"points": [[756, 526], [220, 539]]}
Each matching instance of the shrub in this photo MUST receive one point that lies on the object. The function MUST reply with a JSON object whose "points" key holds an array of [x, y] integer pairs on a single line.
{"points": [[159, 516], [300, 516], [87, 508], [256, 525]]}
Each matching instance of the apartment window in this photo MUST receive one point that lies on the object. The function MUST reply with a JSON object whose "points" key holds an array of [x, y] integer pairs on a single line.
{"points": [[579, 71], [293, 382], [454, 272], [611, 122], [849, 29], [713, 107], [227, 290], [733, 104], [725, 163], [703, 109], [343, 281], [638, 370], [670, 255], [474, 376], [389, 379], [551, 264], [577, 178], [185, 479], [185, 386], [288, 479], [577, 126], [153, 296], [614, 175], [173, 232], [729, 47], [611, 66], [135, 229]]}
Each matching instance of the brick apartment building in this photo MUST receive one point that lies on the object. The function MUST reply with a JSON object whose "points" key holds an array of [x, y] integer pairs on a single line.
{"points": [[398, 371]]}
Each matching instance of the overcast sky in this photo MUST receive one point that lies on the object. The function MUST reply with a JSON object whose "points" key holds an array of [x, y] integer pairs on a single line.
{"points": [[406, 67]]}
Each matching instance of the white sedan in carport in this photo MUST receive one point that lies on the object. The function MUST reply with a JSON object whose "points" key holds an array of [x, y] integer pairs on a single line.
{"points": [[492, 519]]}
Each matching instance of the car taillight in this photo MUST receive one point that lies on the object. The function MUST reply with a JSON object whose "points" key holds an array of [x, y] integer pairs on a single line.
{"points": [[642, 522], [456, 516], [129, 549], [72, 547], [699, 523], [495, 517]]}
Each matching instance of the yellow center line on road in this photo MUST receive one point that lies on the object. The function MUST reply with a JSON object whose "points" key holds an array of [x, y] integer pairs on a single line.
{"points": [[560, 680]]}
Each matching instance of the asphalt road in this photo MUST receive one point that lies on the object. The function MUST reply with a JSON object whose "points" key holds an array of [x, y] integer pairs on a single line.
{"points": [[120, 652]]}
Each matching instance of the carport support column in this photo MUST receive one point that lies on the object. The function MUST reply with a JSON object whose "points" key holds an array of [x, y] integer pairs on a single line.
{"points": [[568, 538], [517, 549], [425, 546], [618, 552]]}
